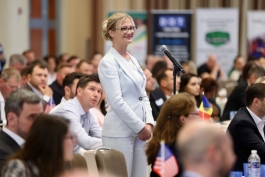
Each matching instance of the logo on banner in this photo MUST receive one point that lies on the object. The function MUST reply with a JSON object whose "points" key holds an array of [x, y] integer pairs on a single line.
{"points": [[217, 38], [172, 21]]}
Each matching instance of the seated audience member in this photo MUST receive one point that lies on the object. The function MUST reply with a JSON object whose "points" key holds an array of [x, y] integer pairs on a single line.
{"points": [[9, 82], [2, 58], [236, 99], [100, 110], [190, 83], [237, 69], [37, 81], [157, 97], [51, 65], [47, 151], [168, 61], [22, 107], [56, 86], [24, 75], [85, 67], [209, 87], [151, 60], [150, 81], [189, 67], [69, 86], [17, 62], [62, 58], [178, 110], [83, 121], [30, 56], [74, 60], [158, 67], [247, 126], [260, 80], [213, 68], [95, 59], [206, 151]]}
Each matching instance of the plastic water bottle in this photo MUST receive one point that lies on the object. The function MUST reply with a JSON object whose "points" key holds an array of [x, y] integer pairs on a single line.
{"points": [[254, 164]]}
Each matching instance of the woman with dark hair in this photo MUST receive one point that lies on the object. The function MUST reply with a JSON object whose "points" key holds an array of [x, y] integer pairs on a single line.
{"points": [[209, 86], [47, 151], [190, 83], [177, 111]]}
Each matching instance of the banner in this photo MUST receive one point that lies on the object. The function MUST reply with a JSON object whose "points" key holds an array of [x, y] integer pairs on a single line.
{"points": [[217, 33], [138, 47], [173, 29], [256, 34]]}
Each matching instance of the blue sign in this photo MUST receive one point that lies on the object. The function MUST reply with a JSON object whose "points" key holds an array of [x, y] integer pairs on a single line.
{"points": [[172, 29]]}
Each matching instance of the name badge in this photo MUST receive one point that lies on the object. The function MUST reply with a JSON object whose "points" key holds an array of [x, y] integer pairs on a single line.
{"points": [[159, 102]]}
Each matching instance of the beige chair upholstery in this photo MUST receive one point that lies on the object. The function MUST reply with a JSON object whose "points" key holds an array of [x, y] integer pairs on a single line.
{"points": [[79, 161], [91, 163], [111, 162]]}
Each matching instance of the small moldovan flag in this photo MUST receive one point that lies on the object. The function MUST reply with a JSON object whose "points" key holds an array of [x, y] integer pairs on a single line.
{"points": [[50, 105], [205, 109], [166, 164]]}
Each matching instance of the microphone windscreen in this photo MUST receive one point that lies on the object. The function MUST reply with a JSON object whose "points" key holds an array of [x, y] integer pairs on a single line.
{"points": [[163, 48]]}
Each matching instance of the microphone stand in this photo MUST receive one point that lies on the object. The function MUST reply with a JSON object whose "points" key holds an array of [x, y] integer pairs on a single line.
{"points": [[176, 71]]}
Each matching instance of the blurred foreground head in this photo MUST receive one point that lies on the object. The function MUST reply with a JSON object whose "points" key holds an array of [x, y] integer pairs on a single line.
{"points": [[205, 149]]}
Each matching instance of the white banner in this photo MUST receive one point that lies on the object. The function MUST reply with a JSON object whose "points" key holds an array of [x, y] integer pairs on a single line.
{"points": [[256, 34], [217, 33]]}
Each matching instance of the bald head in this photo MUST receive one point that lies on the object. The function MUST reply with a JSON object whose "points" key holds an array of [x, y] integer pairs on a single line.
{"points": [[205, 145], [211, 62], [194, 139]]}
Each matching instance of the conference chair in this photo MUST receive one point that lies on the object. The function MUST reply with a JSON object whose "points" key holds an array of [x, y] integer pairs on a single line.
{"points": [[110, 162], [79, 161], [91, 163]]}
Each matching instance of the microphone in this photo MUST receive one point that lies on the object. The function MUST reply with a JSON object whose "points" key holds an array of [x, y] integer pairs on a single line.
{"points": [[175, 62]]}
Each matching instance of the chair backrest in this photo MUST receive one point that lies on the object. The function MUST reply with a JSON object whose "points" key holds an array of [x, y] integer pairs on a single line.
{"points": [[79, 161], [111, 162], [91, 163]]}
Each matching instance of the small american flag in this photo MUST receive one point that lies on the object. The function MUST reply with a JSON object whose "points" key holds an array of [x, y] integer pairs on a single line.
{"points": [[166, 164], [50, 105]]}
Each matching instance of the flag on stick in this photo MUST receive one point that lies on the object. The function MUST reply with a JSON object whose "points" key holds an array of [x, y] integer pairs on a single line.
{"points": [[205, 109], [50, 105], [166, 164]]}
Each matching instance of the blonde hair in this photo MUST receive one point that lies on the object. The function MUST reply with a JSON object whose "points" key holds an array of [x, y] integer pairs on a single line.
{"points": [[111, 22]]}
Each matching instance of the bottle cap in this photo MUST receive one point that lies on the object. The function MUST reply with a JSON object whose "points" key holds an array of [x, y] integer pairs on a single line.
{"points": [[253, 151]]}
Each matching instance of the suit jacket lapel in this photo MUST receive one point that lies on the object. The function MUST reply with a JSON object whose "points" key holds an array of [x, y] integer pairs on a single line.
{"points": [[10, 141], [260, 136], [125, 66]]}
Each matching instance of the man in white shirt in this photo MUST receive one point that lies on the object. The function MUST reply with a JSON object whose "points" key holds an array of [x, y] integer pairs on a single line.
{"points": [[69, 86], [247, 127], [37, 81], [83, 121], [22, 107], [9, 81]]}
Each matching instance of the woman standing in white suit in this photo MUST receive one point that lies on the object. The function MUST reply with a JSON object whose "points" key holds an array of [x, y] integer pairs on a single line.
{"points": [[128, 124]]}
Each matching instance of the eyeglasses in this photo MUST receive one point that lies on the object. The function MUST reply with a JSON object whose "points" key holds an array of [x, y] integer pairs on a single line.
{"points": [[126, 29], [195, 113]]}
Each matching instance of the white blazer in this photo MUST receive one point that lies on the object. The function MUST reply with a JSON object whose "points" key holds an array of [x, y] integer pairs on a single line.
{"points": [[130, 106]]}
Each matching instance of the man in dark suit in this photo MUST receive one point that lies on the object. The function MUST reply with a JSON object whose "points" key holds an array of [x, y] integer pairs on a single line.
{"points": [[57, 88], [247, 126], [237, 98], [21, 107], [206, 151], [37, 81], [158, 97]]}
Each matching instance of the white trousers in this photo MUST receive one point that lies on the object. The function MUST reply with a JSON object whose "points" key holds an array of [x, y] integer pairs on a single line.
{"points": [[134, 153]]}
